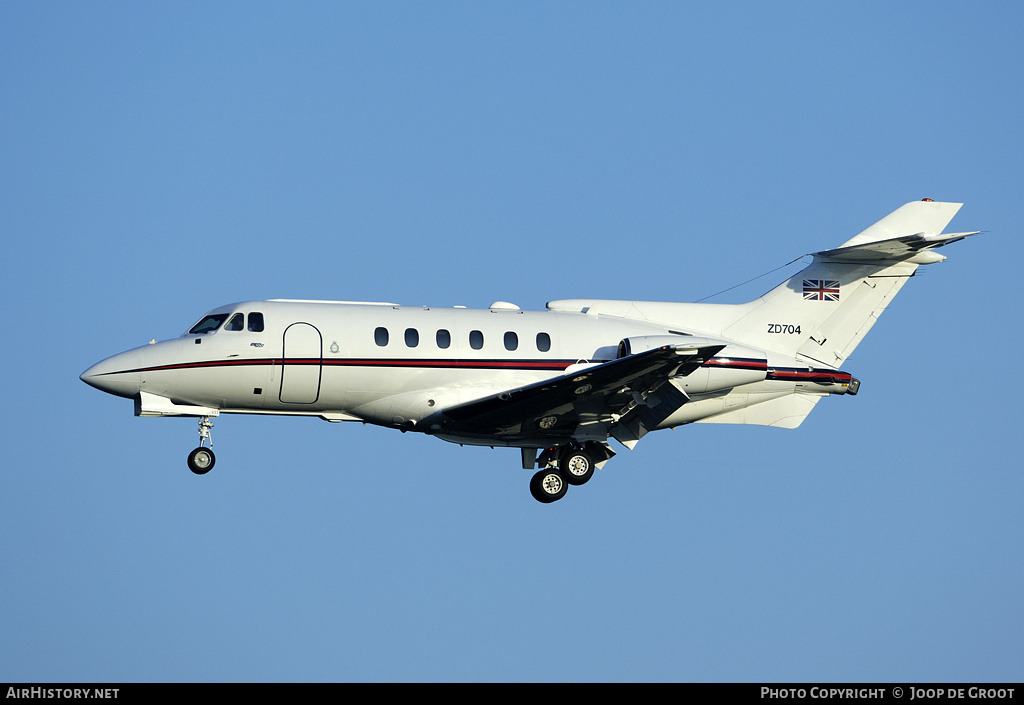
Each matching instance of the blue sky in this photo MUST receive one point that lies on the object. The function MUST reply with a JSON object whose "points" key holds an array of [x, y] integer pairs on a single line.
{"points": [[163, 159]]}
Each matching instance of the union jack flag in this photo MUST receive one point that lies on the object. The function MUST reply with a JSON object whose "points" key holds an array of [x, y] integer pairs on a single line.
{"points": [[821, 290]]}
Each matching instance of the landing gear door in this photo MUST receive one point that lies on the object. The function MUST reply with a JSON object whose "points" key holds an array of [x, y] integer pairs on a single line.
{"points": [[301, 364]]}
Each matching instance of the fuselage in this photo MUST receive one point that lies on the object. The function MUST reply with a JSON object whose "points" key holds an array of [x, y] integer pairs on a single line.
{"points": [[400, 366], [559, 384]]}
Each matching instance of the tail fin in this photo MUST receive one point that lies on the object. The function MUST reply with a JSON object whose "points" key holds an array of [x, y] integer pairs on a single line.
{"points": [[914, 218], [824, 311]]}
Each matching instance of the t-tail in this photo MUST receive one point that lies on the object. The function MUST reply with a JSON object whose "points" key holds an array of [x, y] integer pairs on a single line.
{"points": [[825, 310], [806, 325]]}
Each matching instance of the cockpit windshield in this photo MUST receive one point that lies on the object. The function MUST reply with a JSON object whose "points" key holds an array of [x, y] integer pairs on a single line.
{"points": [[209, 324]]}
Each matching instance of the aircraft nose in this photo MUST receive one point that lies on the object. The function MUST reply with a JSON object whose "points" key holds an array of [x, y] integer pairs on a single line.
{"points": [[118, 374]]}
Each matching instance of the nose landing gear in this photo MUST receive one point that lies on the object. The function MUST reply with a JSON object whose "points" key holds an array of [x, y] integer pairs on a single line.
{"points": [[201, 460]]}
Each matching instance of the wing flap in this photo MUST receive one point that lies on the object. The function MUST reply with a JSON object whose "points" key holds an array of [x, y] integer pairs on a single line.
{"points": [[588, 403]]}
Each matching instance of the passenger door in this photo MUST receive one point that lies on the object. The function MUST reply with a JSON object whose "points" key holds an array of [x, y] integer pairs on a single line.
{"points": [[301, 364]]}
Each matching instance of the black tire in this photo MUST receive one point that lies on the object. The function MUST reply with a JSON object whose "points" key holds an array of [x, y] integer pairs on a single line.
{"points": [[548, 486], [577, 466], [201, 460]]}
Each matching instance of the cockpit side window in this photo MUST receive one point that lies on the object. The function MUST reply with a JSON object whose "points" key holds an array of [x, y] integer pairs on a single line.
{"points": [[209, 324], [255, 322], [237, 322]]}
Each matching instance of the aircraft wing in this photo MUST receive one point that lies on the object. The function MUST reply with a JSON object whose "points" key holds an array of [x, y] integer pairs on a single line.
{"points": [[626, 398]]}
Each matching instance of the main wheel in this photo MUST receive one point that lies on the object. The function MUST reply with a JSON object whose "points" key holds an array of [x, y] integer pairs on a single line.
{"points": [[548, 486], [201, 460], [577, 466]]}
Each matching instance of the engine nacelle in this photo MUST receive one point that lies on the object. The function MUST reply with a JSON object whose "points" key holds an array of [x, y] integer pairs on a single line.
{"points": [[643, 343], [732, 366]]}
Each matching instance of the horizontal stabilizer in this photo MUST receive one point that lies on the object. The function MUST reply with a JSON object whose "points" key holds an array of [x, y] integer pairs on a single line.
{"points": [[894, 249]]}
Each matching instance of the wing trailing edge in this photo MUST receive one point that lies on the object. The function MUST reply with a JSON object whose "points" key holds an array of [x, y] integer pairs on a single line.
{"points": [[625, 398]]}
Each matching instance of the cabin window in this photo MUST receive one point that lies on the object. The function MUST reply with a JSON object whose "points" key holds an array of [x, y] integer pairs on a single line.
{"points": [[444, 338], [380, 336], [208, 324], [511, 341], [256, 322], [412, 337], [237, 322], [476, 339], [543, 342]]}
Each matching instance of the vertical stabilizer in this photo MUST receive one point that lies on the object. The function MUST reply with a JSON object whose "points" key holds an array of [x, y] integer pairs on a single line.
{"points": [[825, 310], [928, 217]]}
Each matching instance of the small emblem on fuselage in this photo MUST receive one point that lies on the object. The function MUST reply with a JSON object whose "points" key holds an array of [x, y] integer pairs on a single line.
{"points": [[334, 347]]}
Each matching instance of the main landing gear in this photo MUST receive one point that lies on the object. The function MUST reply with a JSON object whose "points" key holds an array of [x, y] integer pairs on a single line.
{"points": [[563, 467], [201, 460]]}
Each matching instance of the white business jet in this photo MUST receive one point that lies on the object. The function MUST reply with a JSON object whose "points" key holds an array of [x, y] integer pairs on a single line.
{"points": [[558, 384]]}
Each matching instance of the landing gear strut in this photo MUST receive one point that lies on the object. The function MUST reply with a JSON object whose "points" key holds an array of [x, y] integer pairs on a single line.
{"points": [[201, 460]]}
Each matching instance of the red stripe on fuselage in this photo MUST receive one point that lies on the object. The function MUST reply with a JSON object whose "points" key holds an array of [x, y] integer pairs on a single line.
{"points": [[791, 375], [554, 365]]}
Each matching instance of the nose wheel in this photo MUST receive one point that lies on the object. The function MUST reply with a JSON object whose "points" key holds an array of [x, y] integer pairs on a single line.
{"points": [[201, 460]]}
